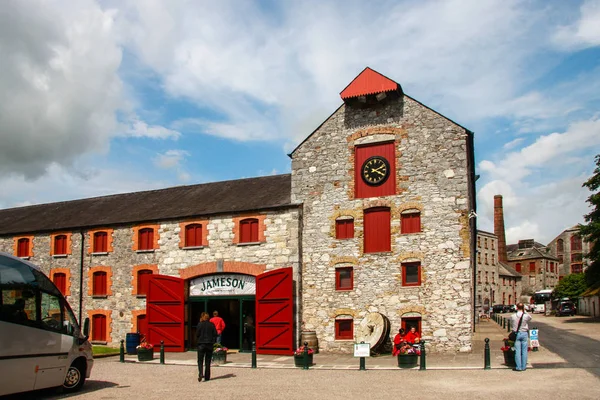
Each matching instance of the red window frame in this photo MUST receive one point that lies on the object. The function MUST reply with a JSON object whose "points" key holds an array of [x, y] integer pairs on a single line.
{"points": [[410, 222], [412, 265], [344, 278], [146, 239], [249, 230], [99, 328], [344, 329], [142, 281], [23, 247], [518, 267], [60, 281], [344, 228], [377, 236], [99, 283], [576, 268], [576, 244], [532, 266], [142, 324], [100, 242], [193, 235], [60, 245], [552, 267]]}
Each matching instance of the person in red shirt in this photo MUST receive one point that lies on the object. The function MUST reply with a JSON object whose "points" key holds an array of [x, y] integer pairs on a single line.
{"points": [[219, 324], [399, 341], [413, 336]]}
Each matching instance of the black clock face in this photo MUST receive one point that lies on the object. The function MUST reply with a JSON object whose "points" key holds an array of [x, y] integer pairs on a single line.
{"points": [[375, 170]]}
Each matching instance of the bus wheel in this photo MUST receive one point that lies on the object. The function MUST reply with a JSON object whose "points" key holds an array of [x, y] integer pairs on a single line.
{"points": [[75, 377]]}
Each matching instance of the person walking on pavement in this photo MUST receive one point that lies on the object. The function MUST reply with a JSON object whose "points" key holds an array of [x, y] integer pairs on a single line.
{"points": [[219, 324], [206, 336], [520, 323]]}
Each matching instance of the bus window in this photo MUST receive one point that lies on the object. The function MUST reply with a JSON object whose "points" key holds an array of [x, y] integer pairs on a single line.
{"points": [[18, 306], [52, 312]]}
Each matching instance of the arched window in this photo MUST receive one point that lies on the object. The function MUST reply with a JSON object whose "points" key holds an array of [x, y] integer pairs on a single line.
{"points": [[560, 246], [344, 327], [100, 242], [99, 283], [193, 235], [23, 247], [249, 230], [575, 243], [146, 239], [377, 235], [142, 281], [60, 245], [60, 281], [344, 228], [410, 221], [99, 328]]}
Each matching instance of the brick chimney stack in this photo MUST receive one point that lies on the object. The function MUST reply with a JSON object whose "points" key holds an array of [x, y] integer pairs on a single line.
{"points": [[499, 228]]}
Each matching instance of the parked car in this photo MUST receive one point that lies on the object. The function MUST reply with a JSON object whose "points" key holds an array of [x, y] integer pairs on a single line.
{"points": [[498, 308], [512, 308], [565, 308]]}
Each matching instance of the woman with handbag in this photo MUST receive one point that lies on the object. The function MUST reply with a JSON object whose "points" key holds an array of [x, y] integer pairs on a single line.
{"points": [[520, 320]]}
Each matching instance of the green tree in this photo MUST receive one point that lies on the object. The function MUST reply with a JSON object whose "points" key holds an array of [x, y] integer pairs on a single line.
{"points": [[590, 232], [570, 286]]}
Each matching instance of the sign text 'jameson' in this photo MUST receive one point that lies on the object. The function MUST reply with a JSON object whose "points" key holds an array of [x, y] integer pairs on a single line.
{"points": [[229, 284]]}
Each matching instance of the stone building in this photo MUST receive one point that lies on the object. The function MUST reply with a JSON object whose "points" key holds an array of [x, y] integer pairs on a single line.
{"points": [[375, 223], [535, 263], [497, 282], [569, 248]]}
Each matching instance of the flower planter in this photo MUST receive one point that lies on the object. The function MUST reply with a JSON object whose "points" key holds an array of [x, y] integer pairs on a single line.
{"points": [[299, 360], [407, 360], [219, 358], [509, 358], [145, 354]]}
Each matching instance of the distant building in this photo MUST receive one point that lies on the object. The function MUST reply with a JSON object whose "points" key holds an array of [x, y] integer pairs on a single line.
{"points": [[569, 249], [535, 262]]}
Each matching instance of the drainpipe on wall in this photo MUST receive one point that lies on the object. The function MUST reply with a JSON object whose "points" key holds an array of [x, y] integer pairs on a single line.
{"points": [[472, 178], [81, 277]]}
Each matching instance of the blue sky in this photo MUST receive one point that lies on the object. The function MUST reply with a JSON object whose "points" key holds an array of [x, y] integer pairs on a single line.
{"points": [[102, 97]]}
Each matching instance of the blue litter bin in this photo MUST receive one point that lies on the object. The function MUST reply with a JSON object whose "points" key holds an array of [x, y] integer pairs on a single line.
{"points": [[132, 341]]}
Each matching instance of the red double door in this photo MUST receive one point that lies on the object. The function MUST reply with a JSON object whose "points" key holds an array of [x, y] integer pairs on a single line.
{"points": [[165, 311]]}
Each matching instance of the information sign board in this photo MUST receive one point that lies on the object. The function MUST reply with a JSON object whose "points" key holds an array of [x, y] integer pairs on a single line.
{"points": [[362, 350]]}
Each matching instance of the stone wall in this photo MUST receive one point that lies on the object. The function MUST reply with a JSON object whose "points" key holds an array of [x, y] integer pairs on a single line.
{"points": [[279, 249], [432, 176]]}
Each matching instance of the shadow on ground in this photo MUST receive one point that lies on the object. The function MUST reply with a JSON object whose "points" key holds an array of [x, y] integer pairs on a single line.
{"points": [[55, 393]]}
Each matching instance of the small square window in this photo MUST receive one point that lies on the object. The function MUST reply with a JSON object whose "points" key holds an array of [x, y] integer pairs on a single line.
{"points": [[411, 274], [344, 228], [344, 278], [410, 222], [344, 329]]}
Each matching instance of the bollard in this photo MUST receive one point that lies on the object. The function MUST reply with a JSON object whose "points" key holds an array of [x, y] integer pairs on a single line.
{"points": [[162, 351], [486, 354], [305, 359], [503, 323], [362, 365], [122, 352], [253, 354], [508, 325], [422, 362]]}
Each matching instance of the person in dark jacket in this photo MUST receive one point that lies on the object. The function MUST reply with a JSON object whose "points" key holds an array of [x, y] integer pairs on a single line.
{"points": [[206, 337]]}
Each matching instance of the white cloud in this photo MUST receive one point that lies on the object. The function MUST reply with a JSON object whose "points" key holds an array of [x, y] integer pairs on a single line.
{"points": [[171, 159], [138, 128], [513, 143], [585, 32]]}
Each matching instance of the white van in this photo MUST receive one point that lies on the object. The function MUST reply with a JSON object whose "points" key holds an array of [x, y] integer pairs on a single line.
{"points": [[41, 345]]}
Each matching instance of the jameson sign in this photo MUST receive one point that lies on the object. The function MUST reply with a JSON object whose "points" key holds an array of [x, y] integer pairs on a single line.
{"points": [[223, 285]]}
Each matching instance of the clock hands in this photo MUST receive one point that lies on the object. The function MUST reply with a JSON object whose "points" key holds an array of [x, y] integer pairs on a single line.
{"points": [[378, 170]]}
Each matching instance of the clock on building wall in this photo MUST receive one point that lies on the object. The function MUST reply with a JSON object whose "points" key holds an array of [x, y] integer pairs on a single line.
{"points": [[375, 170]]}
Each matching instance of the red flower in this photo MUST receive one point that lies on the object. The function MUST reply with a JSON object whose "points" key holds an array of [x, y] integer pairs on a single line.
{"points": [[300, 351]]}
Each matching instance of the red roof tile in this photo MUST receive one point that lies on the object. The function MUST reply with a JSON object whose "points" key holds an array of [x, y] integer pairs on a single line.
{"points": [[369, 82]]}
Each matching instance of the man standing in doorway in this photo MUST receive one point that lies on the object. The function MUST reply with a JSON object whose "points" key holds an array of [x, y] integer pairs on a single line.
{"points": [[219, 324]]}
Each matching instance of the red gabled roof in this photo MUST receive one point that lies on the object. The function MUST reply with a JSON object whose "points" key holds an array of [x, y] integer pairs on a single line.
{"points": [[369, 82]]}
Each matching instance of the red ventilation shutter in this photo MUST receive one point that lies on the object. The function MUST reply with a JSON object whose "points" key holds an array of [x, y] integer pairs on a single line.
{"points": [[377, 235], [142, 324], [60, 245], [99, 284], [99, 328], [532, 266], [344, 229], [143, 277], [518, 267], [23, 248], [60, 281], [249, 231], [362, 153], [410, 222], [193, 235], [146, 239], [100, 242]]}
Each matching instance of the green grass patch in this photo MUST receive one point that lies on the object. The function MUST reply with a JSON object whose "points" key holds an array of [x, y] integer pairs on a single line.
{"points": [[103, 350]]}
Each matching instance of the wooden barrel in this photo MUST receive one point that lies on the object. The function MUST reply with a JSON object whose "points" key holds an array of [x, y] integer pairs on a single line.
{"points": [[311, 338]]}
